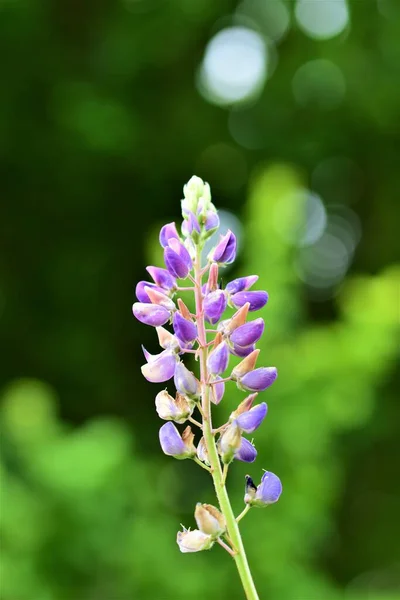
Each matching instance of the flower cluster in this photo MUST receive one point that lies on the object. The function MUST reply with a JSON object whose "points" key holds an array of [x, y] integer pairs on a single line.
{"points": [[212, 338]]}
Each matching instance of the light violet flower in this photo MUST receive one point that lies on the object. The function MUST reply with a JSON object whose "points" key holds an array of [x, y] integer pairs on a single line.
{"points": [[214, 306], [217, 361], [185, 330], [168, 232], [177, 445], [241, 284], [250, 420], [162, 278], [177, 259], [268, 492], [151, 314], [185, 382], [256, 299], [225, 251], [246, 451], [160, 367], [258, 380]]}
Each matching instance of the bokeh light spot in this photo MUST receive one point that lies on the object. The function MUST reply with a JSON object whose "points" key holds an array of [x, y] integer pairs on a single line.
{"points": [[319, 82], [322, 19], [271, 17], [300, 218]]}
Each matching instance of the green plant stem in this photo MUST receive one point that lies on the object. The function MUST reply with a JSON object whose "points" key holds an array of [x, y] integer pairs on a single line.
{"points": [[239, 555]]}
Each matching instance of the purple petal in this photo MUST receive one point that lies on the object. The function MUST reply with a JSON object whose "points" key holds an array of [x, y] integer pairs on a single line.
{"points": [[150, 314], [241, 284], [225, 250], [251, 419], [212, 220], [141, 293], [170, 440], [185, 382], [242, 351], [249, 333], [259, 379], [168, 232], [256, 299], [218, 359], [246, 452], [162, 278], [177, 259], [184, 329], [214, 306], [269, 489], [161, 368], [218, 390]]}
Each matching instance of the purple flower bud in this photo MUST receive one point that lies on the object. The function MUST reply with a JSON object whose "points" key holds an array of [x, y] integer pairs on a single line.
{"points": [[185, 330], [160, 298], [151, 314], [214, 306], [190, 224], [258, 380], [141, 293], [217, 390], [256, 299], [225, 251], [173, 444], [185, 382], [241, 284], [177, 259], [162, 278], [242, 351], [218, 359], [268, 492], [212, 220], [160, 367], [251, 419], [246, 452], [248, 334], [193, 541], [168, 232]]}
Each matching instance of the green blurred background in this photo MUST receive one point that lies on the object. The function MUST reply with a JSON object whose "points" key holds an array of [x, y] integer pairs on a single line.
{"points": [[291, 111]]}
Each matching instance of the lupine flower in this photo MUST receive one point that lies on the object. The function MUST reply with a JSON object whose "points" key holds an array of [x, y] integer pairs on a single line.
{"points": [[160, 298], [202, 453], [239, 318], [168, 232], [246, 365], [212, 221], [256, 299], [241, 284], [185, 382], [246, 451], [193, 541], [258, 380], [166, 339], [191, 226], [176, 409], [151, 314], [177, 445], [268, 492], [242, 350], [140, 292], [209, 519], [214, 306], [217, 390], [177, 259], [250, 420], [160, 367], [248, 334], [185, 330], [230, 442], [225, 251], [217, 361], [162, 278]]}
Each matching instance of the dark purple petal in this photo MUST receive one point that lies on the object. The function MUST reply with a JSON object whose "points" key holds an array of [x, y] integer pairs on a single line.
{"points": [[141, 293], [242, 351], [248, 334], [214, 306], [159, 368], [218, 359], [241, 284], [168, 232], [171, 441], [246, 452], [184, 329], [251, 419], [185, 382], [256, 299], [177, 259], [225, 250], [269, 489], [161, 277], [259, 379], [150, 314]]}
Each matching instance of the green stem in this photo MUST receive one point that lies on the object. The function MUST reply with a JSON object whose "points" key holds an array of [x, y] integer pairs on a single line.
{"points": [[216, 471]]}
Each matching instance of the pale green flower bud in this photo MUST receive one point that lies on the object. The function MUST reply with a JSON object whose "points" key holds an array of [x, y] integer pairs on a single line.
{"points": [[229, 442], [209, 520]]}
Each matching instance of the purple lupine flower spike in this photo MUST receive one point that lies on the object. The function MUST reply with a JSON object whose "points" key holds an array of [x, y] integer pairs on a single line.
{"points": [[162, 277], [159, 368], [217, 361], [225, 251], [248, 334], [151, 314], [241, 284], [258, 380], [177, 259], [185, 382], [168, 232], [251, 419], [141, 293], [214, 306], [246, 452], [256, 299], [185, 330]]}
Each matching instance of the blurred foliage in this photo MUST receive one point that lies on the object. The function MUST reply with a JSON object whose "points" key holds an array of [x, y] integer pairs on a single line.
{"points": [[100, 125]]}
